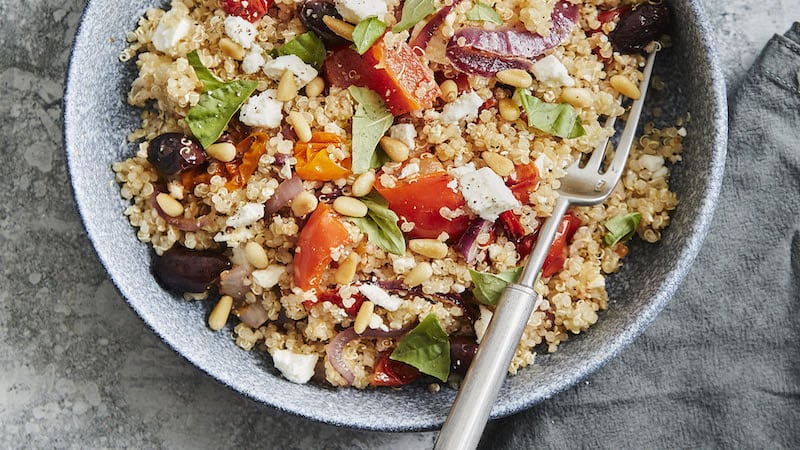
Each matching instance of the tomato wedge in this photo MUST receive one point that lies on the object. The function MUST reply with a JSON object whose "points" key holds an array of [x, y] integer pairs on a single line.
{"points": [[420, 200], [319, 237], [388, 372]]}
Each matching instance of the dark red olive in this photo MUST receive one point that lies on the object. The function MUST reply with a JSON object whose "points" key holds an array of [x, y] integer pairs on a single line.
{"points": [[311, 13], [182, 270], [462, 350], [640, 26], [172, 153]]}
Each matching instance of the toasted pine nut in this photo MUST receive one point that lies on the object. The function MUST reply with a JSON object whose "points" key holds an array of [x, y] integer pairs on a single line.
{"points": [[428, 247], [315, 87], [347, 269], [363, 184], [231, 48], [420, 273], [625, 86], [395, 149], [515, 77], [304, 203], [363, 317], [508, 109], [339, 27], [449, 90], [300, 125], [169, 205], [578, 97], [256, 255], [287, 87], [350, 206], [498, 163], [219, 315], [222, 151]]}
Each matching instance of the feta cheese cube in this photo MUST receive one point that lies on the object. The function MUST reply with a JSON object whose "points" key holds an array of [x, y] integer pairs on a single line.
{"points": [[240, 31], [248, 214], [303, 73], [269, 277], [465, 107], [551, 72], [377, 295], [173, 27], [253, 60], [405, 132], [486, 194], [355, 11], [262, 110], [408, 170], [295, 367], [403, 264]]}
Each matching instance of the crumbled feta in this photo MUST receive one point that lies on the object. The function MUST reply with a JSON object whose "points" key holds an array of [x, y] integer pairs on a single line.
{"points": [[550, 71], [405, 132], [253, 60], [457, 172], [377, 295], [376, 323], [403, 264], [248, 214], [262, 110], [482, 323], [651, 162], [295, 367], [465, 107], [543, 164], [409, 170], [269, 277], [174, 26], [303, 73], [240, 31], [355, 11], [486, 194]]}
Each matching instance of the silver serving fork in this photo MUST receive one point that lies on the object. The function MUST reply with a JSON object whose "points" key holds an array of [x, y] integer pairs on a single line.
{"points": [[583, 185]]}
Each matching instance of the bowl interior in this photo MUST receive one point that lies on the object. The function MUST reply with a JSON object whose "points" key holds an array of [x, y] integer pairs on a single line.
{"points": [[98, 119]]}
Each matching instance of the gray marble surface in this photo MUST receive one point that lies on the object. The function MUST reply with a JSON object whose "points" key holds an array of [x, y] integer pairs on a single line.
{"points": [[79, 369]]}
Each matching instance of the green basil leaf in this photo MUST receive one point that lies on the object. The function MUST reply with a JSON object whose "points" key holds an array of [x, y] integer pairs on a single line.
{"points": [[481, 12], [621, 228], [559, 119], [308, 47], [380, 225], [426, 347], [218, 103], [379, 158], [367, 32], [370, 123], [489, 287], [413, 12]]}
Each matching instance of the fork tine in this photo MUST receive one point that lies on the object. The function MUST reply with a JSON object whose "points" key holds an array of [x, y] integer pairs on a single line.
{"points": [[599, 152]]}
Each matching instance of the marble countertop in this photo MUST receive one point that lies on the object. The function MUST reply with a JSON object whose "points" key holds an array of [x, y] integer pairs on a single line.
{"points": [[79, 368]]}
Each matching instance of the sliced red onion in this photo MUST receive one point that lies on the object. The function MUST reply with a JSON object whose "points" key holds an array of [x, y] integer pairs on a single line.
{"points": [[182, 223], [336, 346], [468, 244], [234, 282], [287, 190], [420, 41], [253, 315], [477, 51]]}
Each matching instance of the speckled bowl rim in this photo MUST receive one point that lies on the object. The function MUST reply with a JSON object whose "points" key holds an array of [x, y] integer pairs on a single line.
{"points": [[508, 406]]}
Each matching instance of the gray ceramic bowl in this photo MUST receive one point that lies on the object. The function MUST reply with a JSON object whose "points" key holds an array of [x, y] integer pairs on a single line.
{"points": [[97, 120]]}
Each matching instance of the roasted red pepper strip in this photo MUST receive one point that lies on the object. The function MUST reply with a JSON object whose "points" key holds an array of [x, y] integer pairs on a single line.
{"points": [[559, 250]]}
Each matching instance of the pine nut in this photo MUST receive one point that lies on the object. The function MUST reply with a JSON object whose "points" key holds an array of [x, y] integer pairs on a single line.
{"points": [[395, 149], [255, 255], [578, 97], [449, 90], [428, 247], [498, 163], [363, 184], [315, 87], [339, 27], [419, 274], [508, 109], [347, 269], [515, 77], [219, 315], [169, 205], [231, 48], [300, 125], [304, 203], [287, 87], [349, 206], [625, 86], [364, 316], [222, 151]]}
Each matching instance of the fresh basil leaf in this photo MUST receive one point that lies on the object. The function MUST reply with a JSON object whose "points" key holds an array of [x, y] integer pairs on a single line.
{"points": [[621, 228], [380, 225], [370, 123], [426, 347], [367, 32], [481, 12], [379, 158], [218, 103], [308, 47], [559, 119], [413, 12], [489, 287]]}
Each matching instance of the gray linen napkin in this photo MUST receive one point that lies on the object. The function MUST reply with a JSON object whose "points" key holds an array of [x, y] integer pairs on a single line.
{"points": [[720, 367]]}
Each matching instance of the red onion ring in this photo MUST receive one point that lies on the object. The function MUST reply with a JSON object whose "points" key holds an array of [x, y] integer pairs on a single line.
{"points": [[253, 315], [468, 244], [336, 346], [287, 190], [420, 41]]}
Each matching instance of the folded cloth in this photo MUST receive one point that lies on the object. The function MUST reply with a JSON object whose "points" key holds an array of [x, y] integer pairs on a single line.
{"points": [[720, 367]]}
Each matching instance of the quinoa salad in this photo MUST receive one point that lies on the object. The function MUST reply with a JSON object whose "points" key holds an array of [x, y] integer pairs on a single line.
{"points": [[351, 184]]}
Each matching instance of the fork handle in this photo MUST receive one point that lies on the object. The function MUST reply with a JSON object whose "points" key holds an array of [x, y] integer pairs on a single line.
{"points": [[473, 404]]}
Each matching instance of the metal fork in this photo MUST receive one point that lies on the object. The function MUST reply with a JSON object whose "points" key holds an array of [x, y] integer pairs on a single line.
{"points": [[582, 185]]}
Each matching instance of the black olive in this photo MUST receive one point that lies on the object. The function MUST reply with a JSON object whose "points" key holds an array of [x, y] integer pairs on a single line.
{"points": [[172, 153], [640, 26], [182, 270], [311, 13], [462, 350]]}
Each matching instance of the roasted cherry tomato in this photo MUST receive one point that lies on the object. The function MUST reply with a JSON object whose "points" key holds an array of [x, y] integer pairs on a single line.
{"points": [[559, 250], [322, 233], [314, 162], [523, 181], [388, 372], [250, 10]]}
